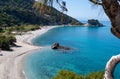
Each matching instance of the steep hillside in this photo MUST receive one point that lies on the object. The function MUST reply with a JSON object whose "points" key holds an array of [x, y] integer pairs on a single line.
{"points": [[16, 12]]}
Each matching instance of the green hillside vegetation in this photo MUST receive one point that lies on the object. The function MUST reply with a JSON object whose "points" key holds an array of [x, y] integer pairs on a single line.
{"points": [[21, 28], [65, 74], [17, 12], [7, 38], [25, 15]]}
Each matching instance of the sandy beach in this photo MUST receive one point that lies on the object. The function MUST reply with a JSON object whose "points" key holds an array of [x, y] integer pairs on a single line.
{"points": [[11, 61]]}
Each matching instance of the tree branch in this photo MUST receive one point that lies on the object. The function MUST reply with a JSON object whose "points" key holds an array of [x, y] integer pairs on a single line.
{"points": [[110, 67], [96, 2]]}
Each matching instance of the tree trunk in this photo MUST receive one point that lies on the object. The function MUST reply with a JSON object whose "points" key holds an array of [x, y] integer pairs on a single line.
{"points": [[112, 9], [110, 67]]}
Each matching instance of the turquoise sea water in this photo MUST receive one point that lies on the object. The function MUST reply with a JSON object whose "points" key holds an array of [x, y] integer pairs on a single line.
{"points": [[91, 47]]}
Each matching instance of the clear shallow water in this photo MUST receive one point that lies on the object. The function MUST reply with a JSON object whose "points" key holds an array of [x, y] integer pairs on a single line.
{"points": [[92, 48]]}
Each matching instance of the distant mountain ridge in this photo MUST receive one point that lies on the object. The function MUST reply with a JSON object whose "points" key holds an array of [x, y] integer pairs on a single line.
{"points": [[16, 12]]}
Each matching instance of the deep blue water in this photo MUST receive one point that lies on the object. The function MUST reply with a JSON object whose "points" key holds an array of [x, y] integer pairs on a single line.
{"points": [[91, 47]]}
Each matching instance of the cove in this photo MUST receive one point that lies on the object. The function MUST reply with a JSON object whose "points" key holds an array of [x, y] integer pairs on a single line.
{"points": [[92, 48]]}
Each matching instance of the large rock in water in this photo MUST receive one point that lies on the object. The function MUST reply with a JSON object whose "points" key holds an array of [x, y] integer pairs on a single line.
{"points": [[57, 46], [93, 22]]}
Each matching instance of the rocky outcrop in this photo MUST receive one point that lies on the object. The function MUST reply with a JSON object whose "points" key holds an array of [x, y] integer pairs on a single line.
{"points": [[93, 22], [57, 46]]}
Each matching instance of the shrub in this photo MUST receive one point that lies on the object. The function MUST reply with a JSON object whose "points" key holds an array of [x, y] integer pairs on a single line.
{"points": [[6, 41], [11, 39], [65, 74]]}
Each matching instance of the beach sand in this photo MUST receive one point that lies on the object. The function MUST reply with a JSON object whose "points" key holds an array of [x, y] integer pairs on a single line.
{"points": [[12, 61]]}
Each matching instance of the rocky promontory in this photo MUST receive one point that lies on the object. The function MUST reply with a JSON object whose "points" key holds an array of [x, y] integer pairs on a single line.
{"points": [[93, 22]]}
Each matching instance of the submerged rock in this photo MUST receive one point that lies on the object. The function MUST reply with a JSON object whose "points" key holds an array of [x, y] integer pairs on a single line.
{"points": [[57, 46], [93, 22]]}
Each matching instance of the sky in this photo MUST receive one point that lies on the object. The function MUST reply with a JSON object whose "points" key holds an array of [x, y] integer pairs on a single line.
{"points": [[84, 10]]}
